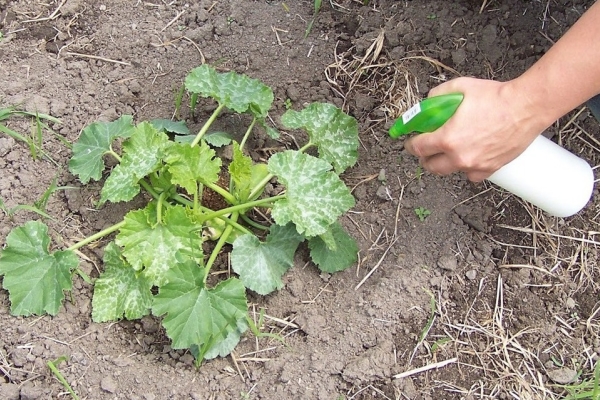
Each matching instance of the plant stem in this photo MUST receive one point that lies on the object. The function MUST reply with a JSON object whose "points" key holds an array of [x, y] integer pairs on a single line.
{"points": [[228, 221], [247, 134], [114, 154], [305, 147], [260, 186], [207, 124], [96, 236], [239, 207], [224, 193], [149, 188], [159, 207], [253, 223], [219, 245]]}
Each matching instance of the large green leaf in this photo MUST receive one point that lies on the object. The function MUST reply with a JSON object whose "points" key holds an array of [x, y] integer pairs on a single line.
{"points": [[155, 247], [34, 277], [343, 254], [261, 265], [235, 91], [142, 154], [315, 196], [197, 315], [94, 142], [330, 129], [167, 125], [120, 290], [188, 165]]}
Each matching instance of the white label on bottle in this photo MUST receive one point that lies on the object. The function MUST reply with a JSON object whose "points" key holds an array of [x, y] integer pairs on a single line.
{"points": [[408, 115]]}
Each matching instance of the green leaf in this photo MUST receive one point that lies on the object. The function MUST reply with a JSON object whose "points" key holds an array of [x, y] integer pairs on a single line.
{"points": [[120, 290], [94, 142], [166, 125], [315, 196], [343, 256], [34, 277], [188, 165], [240, 171], [142, 154], [261, 265], [155, 247], [196, 315], [235, 91], [333, 132], [218, 139]]}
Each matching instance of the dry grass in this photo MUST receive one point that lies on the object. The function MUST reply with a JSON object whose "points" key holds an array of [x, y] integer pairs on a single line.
{"points": [[497, 359]]}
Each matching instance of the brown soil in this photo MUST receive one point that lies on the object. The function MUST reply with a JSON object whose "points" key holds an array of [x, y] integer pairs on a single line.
{"points": [[341, 342]]}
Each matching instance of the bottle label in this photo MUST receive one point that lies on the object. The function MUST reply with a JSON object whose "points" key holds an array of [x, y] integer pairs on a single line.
{"points": [[408, 115]]}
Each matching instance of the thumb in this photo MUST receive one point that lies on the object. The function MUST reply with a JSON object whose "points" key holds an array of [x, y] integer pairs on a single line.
{"points": [[424, 145]]}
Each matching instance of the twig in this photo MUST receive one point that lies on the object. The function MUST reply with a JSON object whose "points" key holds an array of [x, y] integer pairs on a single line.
{"points": [[69, 53], [173, 20], [49, 18], [377, 265], [426, 368], [556, 235]]}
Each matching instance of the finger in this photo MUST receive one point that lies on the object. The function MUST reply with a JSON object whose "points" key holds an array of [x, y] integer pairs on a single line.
{"points": [[439, 164], [452, 86], [424, 144]]}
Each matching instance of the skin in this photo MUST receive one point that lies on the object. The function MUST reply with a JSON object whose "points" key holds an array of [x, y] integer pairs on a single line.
{"points": [[498, 120]]}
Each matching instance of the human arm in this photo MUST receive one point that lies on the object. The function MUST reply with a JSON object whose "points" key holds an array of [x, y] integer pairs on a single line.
{"points": [[498, 120]]}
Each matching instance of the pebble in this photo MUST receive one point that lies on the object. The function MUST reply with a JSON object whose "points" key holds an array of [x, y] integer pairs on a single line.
{"points": [[9, 391], [570, 303], [471, 275], [447, 263], [562, 376], [108, 384], [30, 392]]}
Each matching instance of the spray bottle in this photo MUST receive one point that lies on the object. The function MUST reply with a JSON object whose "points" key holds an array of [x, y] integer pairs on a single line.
{"points": [[545, 174]]}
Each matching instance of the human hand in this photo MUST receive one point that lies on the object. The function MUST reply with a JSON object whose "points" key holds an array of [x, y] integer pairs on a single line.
{"points": [[492, 126]]}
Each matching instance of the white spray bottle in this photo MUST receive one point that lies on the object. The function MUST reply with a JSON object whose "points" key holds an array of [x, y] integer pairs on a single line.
{"points": [[545, 174]]}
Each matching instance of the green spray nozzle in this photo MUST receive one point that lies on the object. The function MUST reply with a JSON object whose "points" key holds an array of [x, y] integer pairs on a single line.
{"points": [[427, 116]]}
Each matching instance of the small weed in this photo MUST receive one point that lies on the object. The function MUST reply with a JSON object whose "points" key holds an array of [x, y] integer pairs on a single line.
{"points": [[53, 367], [34, 141], [589, 389], [419, 173], [287, 103], [422, 213]]}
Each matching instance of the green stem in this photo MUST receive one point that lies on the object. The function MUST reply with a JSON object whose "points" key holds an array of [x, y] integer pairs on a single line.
{"points": [[261, 185], [114, 154], [305, 147], [149, 188], [239, 207], [159, 207], [207, 124], [96, 236], [219, 246], [247, 134], [254, 224], [224, 193], [52, 366], [228, 221]]}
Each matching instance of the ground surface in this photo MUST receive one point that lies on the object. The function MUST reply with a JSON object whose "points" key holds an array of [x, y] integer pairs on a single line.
{"points": [[516, 309]]}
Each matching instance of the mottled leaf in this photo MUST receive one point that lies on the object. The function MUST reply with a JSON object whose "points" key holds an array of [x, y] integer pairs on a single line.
{"points": [[142, 154], [154, 247], [34, 277], [235, 91], [333, 132], [261, 265], [189, 165], [315, 196], [343, 255], [197, 315], [120, 290], [94, 142]]}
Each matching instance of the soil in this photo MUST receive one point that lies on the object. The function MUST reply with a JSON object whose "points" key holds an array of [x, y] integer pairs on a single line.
{"points": [[516, 309]]}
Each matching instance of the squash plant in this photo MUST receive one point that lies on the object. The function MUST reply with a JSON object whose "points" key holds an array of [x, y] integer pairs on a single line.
{"points": [[156, 262]]}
